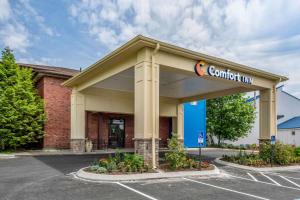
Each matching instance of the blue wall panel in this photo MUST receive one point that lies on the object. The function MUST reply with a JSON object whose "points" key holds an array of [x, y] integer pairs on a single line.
{"points": [[194, 123]]}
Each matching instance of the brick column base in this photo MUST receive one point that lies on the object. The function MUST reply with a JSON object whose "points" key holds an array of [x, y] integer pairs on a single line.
{"points": [[78, 145], [143, 147]]}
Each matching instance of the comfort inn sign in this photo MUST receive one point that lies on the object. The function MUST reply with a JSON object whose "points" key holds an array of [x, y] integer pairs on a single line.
{"points": [[225, 74]]}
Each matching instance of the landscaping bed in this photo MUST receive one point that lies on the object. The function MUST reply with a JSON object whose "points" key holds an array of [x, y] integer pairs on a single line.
{"points": [[123, 163], [204, 166], [269, 156]]}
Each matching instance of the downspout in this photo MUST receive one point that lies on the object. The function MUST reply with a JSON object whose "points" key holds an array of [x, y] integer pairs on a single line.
{"points": [[154, 124]]}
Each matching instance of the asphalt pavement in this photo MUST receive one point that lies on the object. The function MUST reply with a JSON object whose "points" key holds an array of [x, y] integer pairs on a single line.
{"points": [[50, 177]]}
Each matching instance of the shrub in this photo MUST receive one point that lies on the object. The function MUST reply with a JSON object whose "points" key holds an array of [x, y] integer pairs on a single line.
{"points": [[101, 170], [98, 169], [133, 162], [297, 151], [176, 157], [282, 155], [120, 162]]}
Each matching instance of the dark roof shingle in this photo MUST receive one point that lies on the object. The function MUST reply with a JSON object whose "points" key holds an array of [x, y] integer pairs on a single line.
{"points": [[51, 70]]}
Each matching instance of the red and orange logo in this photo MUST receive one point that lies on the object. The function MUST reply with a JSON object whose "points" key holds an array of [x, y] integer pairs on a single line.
{"points": [[199, 68]]}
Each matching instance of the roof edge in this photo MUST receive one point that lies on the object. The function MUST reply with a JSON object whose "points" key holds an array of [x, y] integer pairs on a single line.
{"points": [[176, 49]]}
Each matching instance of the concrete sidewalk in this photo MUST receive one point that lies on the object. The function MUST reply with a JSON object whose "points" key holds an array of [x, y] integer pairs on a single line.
{"points": [[61, 152]]}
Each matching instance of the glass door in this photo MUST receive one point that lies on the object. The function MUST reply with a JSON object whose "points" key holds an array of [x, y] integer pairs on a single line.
{"points": [[116, 134]]}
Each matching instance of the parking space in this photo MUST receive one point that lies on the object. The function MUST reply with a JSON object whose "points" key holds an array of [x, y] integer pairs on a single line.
{"points": [[41, 178], [242, 185]]}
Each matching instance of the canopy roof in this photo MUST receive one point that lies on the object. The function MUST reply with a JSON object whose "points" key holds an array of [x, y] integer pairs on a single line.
{"points": [[140, 42]]}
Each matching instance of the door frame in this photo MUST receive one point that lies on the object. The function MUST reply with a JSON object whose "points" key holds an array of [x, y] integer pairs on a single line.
{"points": [[124, 130]]}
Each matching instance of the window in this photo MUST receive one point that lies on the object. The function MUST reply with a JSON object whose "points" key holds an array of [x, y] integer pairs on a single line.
{"points": [[293, 133], [194, 103]]}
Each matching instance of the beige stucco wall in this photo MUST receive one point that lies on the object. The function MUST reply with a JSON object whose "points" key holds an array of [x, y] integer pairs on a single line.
{"points": [[103, 100]]}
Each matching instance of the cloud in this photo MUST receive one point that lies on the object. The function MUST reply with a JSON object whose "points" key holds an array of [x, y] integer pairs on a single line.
{"points": [[263, 34], [17, 23], [5, 10], [15, 36], [39, 61]]}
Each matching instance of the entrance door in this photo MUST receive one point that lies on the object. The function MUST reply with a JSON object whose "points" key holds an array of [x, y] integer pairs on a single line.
{"points": [[116, 134]]}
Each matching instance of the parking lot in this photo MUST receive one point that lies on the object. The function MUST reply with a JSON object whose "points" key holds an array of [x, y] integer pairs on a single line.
{"points": [[50, 177]]}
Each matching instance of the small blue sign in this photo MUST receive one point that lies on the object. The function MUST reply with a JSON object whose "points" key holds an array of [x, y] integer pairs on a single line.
{"points": [[201, 139], [273, 139]]}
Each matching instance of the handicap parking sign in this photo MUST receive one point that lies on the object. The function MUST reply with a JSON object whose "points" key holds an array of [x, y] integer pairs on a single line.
{"points": [[273, 139], [200, 138]]}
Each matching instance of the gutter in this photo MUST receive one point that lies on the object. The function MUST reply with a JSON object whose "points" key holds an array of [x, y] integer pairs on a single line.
{"points": [[154, 110]]}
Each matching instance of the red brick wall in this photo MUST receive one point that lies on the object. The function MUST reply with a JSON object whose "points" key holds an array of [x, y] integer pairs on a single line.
{"points": [[92, 128], [164, 128], [57, 128], [57, 106], [97, 123], [129, 128]]}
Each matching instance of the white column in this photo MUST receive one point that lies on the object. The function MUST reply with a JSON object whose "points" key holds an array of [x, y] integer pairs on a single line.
{"points": [[77, 121], [267, 114], [146, 107]]}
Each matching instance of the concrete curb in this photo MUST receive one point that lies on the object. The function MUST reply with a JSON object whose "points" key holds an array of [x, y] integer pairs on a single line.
{"points": [[81, 174], [223, 149], [6, 156], [65, 153], [259, 169]]}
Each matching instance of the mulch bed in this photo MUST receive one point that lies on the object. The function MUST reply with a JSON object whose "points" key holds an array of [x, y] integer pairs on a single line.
{"points": [[166, 167]]}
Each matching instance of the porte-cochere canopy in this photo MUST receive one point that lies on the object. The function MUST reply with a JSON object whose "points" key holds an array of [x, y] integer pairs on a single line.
{"points": [[151, 79]]}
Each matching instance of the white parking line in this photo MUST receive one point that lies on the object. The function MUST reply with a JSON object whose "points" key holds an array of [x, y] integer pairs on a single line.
{"points": [[292, 182], [270, 179], [222, 188], [252, 176], [277, 174], [136, 191], [263, 182]]}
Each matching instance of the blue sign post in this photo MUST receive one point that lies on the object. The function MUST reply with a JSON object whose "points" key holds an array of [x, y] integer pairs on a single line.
{"points": [[273, 141], [201, 144]]}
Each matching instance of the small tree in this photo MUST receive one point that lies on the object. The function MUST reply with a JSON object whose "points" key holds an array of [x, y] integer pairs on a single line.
{"points": [[229, 117], [177, 155], [22, 110]]}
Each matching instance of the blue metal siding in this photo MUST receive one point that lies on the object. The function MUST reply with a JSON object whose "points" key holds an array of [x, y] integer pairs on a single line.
{"points": [[194, 123]]}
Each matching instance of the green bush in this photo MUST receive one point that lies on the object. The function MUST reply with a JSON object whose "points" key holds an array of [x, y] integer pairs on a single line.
{"points": [[282, 155], [133, 162], [245, 159], [297, 151], [120, 162], [98, 169], [176, 157]]}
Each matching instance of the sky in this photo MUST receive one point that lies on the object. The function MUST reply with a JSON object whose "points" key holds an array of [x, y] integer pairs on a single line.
{"points": [[264, 34]]}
